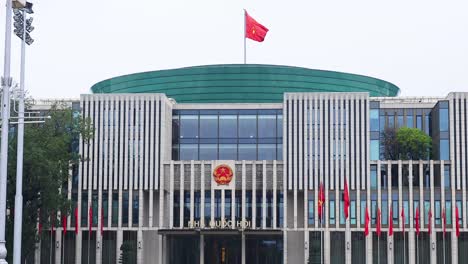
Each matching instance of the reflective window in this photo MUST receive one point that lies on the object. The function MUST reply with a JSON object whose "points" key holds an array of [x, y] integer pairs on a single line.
{"points": [[189, 126], [247, 152], [409, 121], [400, 121], [419, 122], [228, 126], [247, 126], [267, 126], [391, 121], [188, 152], [447, 176], [373, 176], [374, 119], [444, 149], [374, 149], [208, 126], [406, 208], [227, 151], [266, 151], [332, 212], [217, 134], [353, 212], [384, 212], [448, 212], [363, 212], [208, 152], [443, 119]]}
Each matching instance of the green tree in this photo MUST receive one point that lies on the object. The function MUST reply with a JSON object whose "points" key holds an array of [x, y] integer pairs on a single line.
{"points": [[390, 144], [413, 144], [47, 160], [128, 253]]}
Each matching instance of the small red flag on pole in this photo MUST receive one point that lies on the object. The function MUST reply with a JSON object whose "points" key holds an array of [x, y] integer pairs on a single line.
{"points": [[444, 219], [321, 200], [102, 221], [64, 223], [403, 219], [378, 222], [416, 219], [90, 221], [429, 223], [457, 222], [346, 199], [253, 29], [366, 227], [76, 220], [390, 223], [52, 222]]}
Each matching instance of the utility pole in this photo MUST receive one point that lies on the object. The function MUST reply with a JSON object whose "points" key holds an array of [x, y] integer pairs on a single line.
{"points": [[6, 84]]}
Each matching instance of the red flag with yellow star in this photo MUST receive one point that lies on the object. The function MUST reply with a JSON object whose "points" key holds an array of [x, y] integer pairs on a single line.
{"points": [[253, 29]]}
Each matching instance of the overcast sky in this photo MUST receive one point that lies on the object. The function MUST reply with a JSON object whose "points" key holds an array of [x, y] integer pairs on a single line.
{"points": [[420, 46]]}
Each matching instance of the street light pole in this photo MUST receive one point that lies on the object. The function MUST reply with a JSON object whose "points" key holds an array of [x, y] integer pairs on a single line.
{"points": [[6, 83], [18, 218]]}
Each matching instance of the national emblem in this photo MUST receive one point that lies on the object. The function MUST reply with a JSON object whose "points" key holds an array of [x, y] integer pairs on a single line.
{"points": [[222, 174]]}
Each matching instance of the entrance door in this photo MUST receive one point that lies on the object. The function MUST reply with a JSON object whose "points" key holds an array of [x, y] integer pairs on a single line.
{"points": [[222, 249]]}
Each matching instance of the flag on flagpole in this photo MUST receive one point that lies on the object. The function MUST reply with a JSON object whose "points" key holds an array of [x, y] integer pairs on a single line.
{"points": [[102, 221], [40, 222], [444, 219], [321, 201], [378, 222], [429, 221], [416, 219], [76, 220], [457, 222], [403, 219], [52, 222], [64, 223], [390, 223], [346, 199], [90, 220], [366, 227], [253, 29]]}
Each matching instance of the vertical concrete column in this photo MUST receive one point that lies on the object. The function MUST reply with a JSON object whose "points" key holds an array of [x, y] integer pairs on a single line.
{"points": [[243, 248], [326, 246], [369, 247], [117, 244], [202, 249], [140, 246], [285, 248], [160, 249], [390, 246], [348, 242], [78, 246], [455, 246], [37, 253], [58, 245], [306, 245]]}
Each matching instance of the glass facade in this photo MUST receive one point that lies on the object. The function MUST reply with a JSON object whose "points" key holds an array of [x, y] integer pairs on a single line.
{"points": [[227, 135]]}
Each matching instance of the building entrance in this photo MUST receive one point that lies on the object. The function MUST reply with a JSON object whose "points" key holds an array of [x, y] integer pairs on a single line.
{"points": [[222, 249]]}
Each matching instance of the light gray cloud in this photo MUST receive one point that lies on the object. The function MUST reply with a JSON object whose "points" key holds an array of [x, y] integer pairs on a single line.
{"points": [[421, 46]]}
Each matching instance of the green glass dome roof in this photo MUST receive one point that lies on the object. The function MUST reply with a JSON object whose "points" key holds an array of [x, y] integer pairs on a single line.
{"points": [[242, 83]]}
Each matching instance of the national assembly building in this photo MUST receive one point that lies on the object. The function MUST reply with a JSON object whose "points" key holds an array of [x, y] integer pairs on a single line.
{"points": [[223, 164]]}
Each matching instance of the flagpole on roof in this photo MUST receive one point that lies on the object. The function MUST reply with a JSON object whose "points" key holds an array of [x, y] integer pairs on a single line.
{"points": [[245, 43]]}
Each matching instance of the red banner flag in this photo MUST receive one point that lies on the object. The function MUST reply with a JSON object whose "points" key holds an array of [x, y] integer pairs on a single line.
{"points": [[52, 223], [390, 223], [416, 220], [253, 29], [366, 227], [102, 221], [457, 222], [40, 222], [64, 223], [346, 199], [444, 220], [90, 220], [76, 220], [429, 223], [379, 227], [321, 201], [403, 219]]}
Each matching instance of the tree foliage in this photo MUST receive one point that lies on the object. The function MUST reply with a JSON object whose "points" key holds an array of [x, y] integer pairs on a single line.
{"points": [[47, 160], [406, 143], [128, 253]]}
